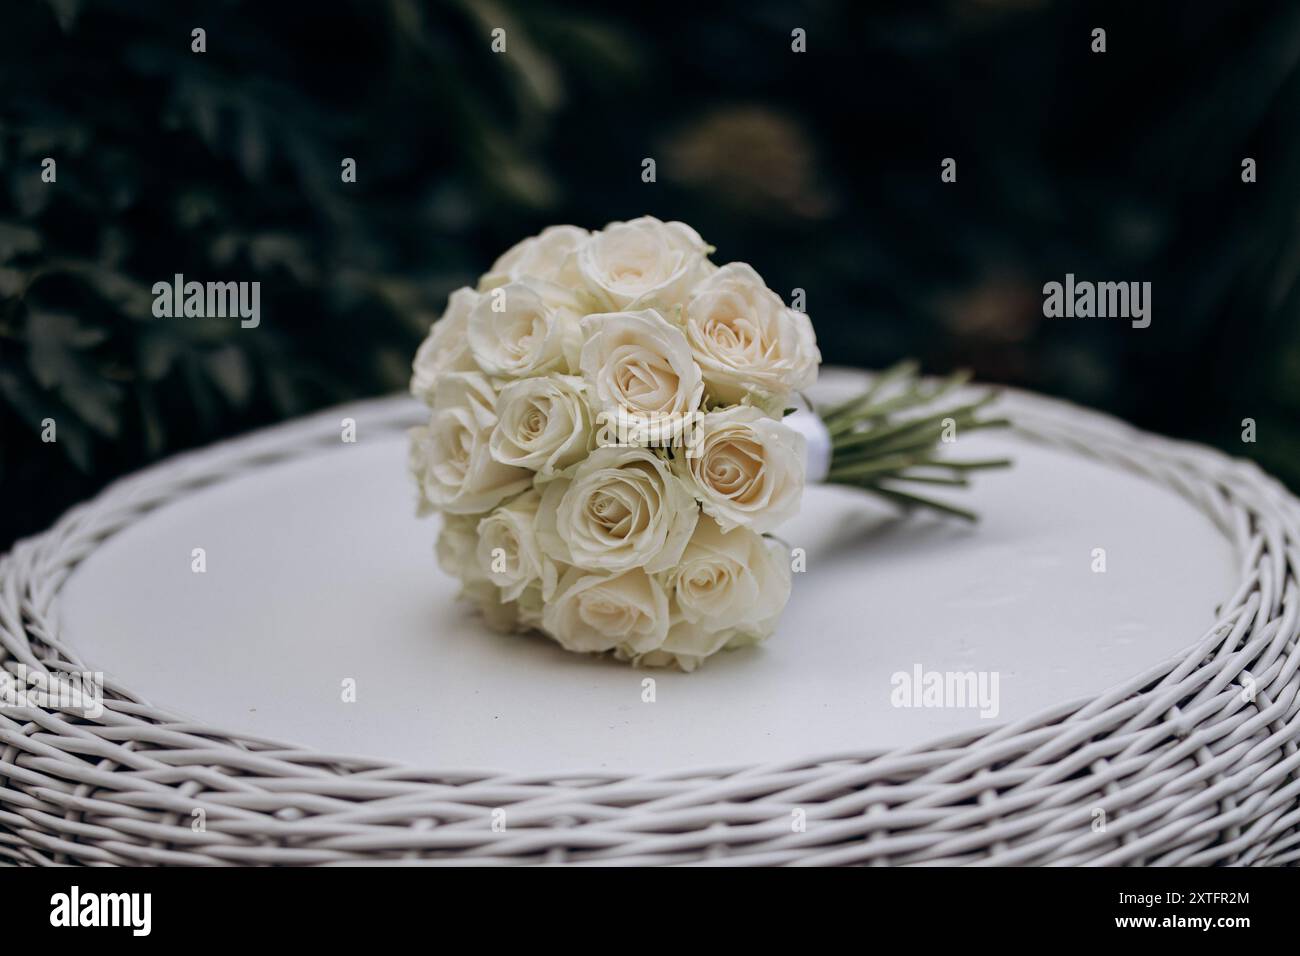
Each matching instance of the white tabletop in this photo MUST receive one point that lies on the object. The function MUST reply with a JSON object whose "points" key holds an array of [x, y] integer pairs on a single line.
{"points": [[317, 573]]}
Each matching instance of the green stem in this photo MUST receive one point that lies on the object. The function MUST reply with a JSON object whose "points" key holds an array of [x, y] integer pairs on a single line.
{"points": [[917, 501], [962, 415], [909, 442], [972, 465], [874, 440], [903, 370]]}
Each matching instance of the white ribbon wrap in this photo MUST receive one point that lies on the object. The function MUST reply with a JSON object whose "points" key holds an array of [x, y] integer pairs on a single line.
{"points": [[817, 456]]}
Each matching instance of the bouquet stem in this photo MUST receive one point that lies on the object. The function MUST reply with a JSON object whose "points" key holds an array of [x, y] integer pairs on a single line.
{"points": [[891, 437]]}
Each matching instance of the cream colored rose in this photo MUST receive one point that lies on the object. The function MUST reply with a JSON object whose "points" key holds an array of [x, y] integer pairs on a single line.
{"points": [[457, 543], [643, 262], [618, 509], [745, 339], [746, 469], [445, 348], [508, 554], [528, 327], [639, 367], [544, 423], [530, 605], [500, 615], [728, 592], [547, 256], [688, 645], [450, 457], [725, 581], [597, 612]]}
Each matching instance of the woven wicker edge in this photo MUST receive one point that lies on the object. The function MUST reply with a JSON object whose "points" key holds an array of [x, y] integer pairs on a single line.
{"points": [[1180, 763]]}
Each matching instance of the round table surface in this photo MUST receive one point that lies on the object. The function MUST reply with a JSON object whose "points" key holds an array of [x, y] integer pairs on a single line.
{"points": [[319, 579]]}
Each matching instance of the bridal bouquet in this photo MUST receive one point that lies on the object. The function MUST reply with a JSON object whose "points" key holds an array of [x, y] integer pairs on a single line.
{"points": [[609, 446]]}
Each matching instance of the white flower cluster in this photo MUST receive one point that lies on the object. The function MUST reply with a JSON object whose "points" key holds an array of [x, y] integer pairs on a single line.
{"points": [[606, 445]]}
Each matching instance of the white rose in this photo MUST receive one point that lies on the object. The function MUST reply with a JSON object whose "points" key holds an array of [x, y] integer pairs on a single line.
{"points": [[544, 424], [746, 469], [639, 366], [688, 645], [546, 256], [502, 616], [530, 605], [450, 457], [725, 581], [596, 612], [655, 658], [618, 509], [457, 541], [528, 327], [508, 554], [728, 592], [643, 262], [746, 340], [446, 347]]}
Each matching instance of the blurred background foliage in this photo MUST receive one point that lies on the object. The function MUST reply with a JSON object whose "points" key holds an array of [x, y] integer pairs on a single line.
{"points": [[820, 169]]}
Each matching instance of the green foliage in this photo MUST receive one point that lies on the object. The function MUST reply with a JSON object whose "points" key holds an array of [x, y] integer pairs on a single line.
{"points": [[821, 169], [225, 166]]}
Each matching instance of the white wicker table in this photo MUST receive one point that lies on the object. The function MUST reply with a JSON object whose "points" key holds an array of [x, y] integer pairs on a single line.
{"points": [[1122, 694]]}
